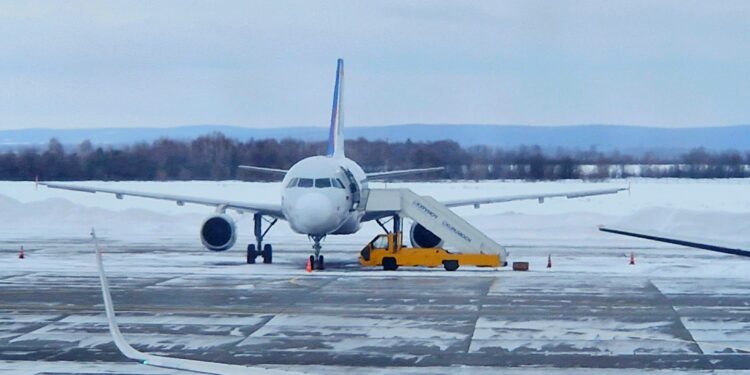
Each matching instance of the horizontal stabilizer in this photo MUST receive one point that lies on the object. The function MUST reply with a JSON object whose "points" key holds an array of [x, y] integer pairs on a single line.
{"points": [[253, 168], [678, 241], [403, 172]]}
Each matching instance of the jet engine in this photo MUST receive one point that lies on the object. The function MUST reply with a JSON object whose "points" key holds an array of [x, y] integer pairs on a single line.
{"points": [[218, 232], [421, 237]]}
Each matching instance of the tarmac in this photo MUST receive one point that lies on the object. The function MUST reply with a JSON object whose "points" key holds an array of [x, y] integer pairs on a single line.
{"points": [[179, 300]]}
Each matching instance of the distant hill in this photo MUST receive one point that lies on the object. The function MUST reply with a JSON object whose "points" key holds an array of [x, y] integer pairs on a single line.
{"points": [[631, 139]]}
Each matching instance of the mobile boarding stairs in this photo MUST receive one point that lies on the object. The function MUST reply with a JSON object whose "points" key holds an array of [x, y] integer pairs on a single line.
{"points": [[434, 216]]}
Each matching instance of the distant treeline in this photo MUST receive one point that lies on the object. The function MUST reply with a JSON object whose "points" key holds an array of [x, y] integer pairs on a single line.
{"points": [[216, 157]]}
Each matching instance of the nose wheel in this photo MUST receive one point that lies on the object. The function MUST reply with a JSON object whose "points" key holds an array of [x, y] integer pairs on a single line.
{"points": [[258, 248], [317, 261]]}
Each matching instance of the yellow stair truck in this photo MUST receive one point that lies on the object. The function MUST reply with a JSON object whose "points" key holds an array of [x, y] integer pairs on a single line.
{"points": [[387, 250]]}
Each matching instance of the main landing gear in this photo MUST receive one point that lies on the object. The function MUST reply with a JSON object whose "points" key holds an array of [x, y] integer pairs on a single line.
{"points": [[317, 260], [254, 250]]}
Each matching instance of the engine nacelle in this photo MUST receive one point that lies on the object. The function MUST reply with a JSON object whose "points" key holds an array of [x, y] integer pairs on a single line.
{"points": [[218, 232], [421, 237]]}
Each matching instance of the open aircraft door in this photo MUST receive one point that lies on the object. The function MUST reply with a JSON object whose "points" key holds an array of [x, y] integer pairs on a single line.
{"points": [[353, 188]]}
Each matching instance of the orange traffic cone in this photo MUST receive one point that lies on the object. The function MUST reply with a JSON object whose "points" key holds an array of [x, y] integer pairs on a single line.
{"points": [[308, 267], [549, 261], [21, 254], [632, 259]]}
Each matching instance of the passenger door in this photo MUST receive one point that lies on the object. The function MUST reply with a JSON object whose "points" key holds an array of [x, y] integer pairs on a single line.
{"points": [[353, 188]]}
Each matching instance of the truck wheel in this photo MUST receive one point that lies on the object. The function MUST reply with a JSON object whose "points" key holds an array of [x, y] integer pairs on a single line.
{"points": [[450, 265], [389, 264], [251, 254]]}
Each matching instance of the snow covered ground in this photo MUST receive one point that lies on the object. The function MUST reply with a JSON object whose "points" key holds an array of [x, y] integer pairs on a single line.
{"points": [[715, 208], [677, 307]]}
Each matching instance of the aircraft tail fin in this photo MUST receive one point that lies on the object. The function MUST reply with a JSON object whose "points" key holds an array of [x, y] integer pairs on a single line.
{"points": [[335, 135]]}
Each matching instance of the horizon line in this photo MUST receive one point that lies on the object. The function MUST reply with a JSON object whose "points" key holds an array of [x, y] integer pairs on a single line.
{"points": [[379, 126]]}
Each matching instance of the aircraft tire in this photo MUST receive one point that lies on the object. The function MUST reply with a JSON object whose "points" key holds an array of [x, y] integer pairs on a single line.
{"points": [[267, 254], [251, 254], [321, 263]]}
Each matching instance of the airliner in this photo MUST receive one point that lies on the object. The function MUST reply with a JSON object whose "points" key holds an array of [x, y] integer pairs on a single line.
{"points": [[320, 196]]}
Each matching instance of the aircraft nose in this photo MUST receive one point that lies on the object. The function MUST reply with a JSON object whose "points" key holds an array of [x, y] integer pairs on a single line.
{"points": [[315, 214]]}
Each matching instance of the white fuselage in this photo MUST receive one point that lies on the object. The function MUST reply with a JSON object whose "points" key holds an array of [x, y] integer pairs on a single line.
{"points": [[317, 196]]}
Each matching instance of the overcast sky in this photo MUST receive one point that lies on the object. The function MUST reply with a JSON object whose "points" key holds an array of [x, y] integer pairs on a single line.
{"points": [[68, 64]]}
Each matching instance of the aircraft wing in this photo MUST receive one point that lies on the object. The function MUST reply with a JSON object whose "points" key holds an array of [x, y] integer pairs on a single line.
{"points": [[677, 241], [476, 202], [191, 365], [272, 210], [403, 172]]}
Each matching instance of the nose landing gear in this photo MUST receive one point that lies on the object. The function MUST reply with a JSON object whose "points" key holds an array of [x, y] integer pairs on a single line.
{"points": [[267, 250], [317, 260]]}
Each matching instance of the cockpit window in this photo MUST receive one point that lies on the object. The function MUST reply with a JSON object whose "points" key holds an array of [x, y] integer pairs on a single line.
{"points": [[322, 182]]}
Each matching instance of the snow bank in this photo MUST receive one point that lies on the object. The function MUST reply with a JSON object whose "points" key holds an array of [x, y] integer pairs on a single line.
{"points": [[709, 208]]}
